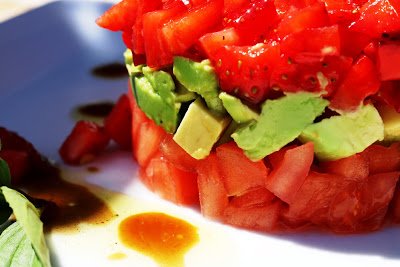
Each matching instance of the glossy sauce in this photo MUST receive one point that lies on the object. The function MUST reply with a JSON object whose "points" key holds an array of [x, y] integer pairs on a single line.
{"points": [[67, 204], [112, 70], [164, 238]]}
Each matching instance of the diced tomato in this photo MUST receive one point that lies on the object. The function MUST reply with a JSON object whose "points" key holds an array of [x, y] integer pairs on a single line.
{"points": [[184, 30], [176, 155], [212, 42], [383, 159], [212, 193], [388, 61], [283, 6], [127, 38], [275, 158], [360, 82], [231, 6], [254, 210], [394, 207], [170, 182], [310, 75], [355, 167], [137, 28], [352, 43], [286, 179], [157, 51], [249, 19], [390, 93], [315, 43], [18, 163], [118, 124], [239, 173], [377, 17], [343, 11], [296, 20], [84, 143], [120, 17], [245, 70]]}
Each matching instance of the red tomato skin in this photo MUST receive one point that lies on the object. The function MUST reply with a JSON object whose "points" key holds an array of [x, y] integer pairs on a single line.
{"points": [[176, 155], [245, 70], [256, 209], [352, 43], [18, 162], [261, 12], [212, 42], [361, 81], [157, 52], [388, 61], [377, 17], [212, 193], [295, 20], [390, 93], [383, 159], [355, 167], [84, 143], [169, 182], [119, 17], [118, 124], [232, 6], [394, 208], [286, 179], [184, 31], [239, 174]]}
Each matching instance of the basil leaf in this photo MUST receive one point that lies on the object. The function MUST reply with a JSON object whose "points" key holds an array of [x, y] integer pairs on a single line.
{"points": [[16, 249], [29, 219], [5, 176]]}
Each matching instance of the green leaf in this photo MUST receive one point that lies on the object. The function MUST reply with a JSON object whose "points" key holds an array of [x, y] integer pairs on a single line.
{"points": [[16, 249], [29, 219], [5, 176]]}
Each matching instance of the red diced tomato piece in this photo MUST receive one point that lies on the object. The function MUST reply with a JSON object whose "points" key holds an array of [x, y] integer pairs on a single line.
{"points": [[360, 82], [383, 159], [184, 30], [355, 167], [18, 163], [137, 28], [176, 155], [314, 43], [286, 179], [212, 42], [377, 17], [170, 182], [275, 158], [388, 61], [254, 210], [118, 124], [296, 20], [343, 11], [212, 193], [390, 93], [352, 43], [239, 173], [119, 17], [84, 143], [157, 51], [249, 19], [283, 6], [245, 70], [394, 207], [232, 6]]}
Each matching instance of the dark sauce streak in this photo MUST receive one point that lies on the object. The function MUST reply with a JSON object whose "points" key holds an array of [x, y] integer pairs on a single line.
{"points": [[65, 204], [114, 70], [100, 109]]}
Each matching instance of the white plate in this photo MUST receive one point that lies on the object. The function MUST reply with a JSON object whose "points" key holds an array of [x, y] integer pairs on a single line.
{"points": [[45, 61]]}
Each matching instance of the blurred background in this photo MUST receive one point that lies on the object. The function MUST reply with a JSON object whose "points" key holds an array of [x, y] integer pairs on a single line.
{"points": [[12, 8]]}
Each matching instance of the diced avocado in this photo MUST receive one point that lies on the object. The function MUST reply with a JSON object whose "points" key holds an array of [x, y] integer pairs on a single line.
{"points": [[280, 122], [391, 122], [183, 94], [154, 93], [345, 135], [199, 130], [238, 111], [199, 77], [128, 56]]}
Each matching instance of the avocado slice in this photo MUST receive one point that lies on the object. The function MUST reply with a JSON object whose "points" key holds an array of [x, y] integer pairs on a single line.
{"points": [[280, 122], [154, 93], [239, 112], [345, 135], [200, 78], [199, 130], [391, 122]]}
